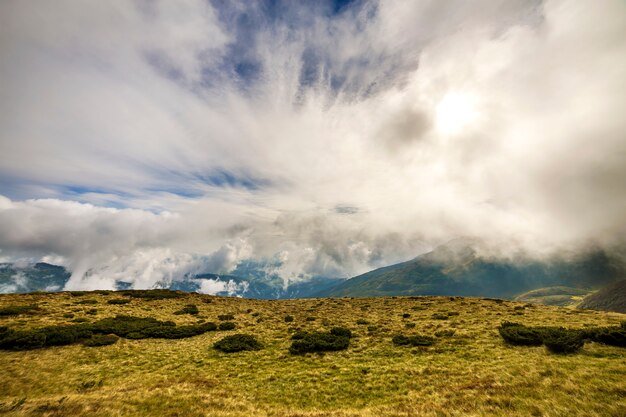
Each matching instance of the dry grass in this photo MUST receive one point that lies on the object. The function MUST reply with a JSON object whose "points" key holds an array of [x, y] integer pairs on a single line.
{"points": [[469, 374]]}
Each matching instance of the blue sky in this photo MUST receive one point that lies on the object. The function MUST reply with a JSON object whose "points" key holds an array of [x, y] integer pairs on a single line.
{"points": [[334, 136]]}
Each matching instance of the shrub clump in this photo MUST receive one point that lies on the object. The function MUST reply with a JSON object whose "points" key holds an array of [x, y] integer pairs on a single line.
{"points": [[88, 301], [118, 301], [439, 316], [362, 322], [101, 340], [237, 343], [288, 319], [188, 309], [341, 331], [152, 295], [225, 317], [415, 340], [613, 335], [123, 326], [17, 310], [561, 340], [227, 325], [520, 335], [307, 342]]}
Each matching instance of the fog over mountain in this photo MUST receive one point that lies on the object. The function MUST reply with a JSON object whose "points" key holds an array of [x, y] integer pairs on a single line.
{"points": [[146, 141]]}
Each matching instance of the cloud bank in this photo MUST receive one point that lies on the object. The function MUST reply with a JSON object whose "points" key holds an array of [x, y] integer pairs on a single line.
{"points": [[141, 141]]}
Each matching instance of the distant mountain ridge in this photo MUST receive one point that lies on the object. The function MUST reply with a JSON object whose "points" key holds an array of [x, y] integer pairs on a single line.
{"points": [[41, 276], [16, 278], [457, 268]]}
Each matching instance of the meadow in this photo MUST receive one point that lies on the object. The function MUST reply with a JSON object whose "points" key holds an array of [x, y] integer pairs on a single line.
{"points": [[468, 370]]}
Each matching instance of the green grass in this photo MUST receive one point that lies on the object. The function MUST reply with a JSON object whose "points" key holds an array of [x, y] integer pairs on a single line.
{"points": [[470, 372]]}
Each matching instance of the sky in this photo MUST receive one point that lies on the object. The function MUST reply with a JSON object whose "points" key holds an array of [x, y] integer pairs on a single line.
{"points": [[142, 140]]}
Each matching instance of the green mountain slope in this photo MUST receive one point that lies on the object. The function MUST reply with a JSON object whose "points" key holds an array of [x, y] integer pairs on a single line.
{"points": [[609, 298], [457, 268]]}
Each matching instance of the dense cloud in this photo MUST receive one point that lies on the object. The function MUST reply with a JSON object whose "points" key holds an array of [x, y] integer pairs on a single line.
{"points": [[141, 141]]}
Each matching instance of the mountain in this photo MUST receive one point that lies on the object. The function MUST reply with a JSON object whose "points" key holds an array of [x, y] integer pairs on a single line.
{"points": [[16, 278], [459, 268], [610, 298], [252, 287], [256, 281]]}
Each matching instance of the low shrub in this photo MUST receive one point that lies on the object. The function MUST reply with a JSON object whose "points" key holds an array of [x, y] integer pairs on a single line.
{"points": [[237, 343], [317, 342], [17, 310], [520, 335], [123, 326], [415, 340], [452, 313], [341, 331], [406, 315], [188, 309], [22, 340], [224, 317], [563, 341], [118, 301], [151, 295], [439, 316], [227, 325], [613, 336], [89, 301], [68, 315], [100, 340], [310, 319], [92, 311], [409, 325], [288, 319], [362, 322]]}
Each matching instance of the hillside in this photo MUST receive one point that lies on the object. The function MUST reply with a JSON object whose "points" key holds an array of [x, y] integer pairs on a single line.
{"points": [[458, 269], [554, 296], [468, 370], [609, 298]]}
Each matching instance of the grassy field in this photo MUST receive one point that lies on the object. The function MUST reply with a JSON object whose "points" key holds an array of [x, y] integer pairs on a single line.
{"points": [[471, 373]]}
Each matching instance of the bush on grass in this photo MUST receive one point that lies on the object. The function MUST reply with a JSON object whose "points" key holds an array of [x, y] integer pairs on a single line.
{"points": [[227, 325], [520, 335], [152, 295], [188, 309], [308, 342], [563, 341], [237, 343], [118, 301], [16, 310]]}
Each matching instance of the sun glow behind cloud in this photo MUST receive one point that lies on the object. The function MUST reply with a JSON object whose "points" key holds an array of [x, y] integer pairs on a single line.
{"points": [[455, 112]]}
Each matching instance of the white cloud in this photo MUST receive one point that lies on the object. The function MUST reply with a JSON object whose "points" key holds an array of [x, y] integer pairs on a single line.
{"points": [[130, 108]]}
